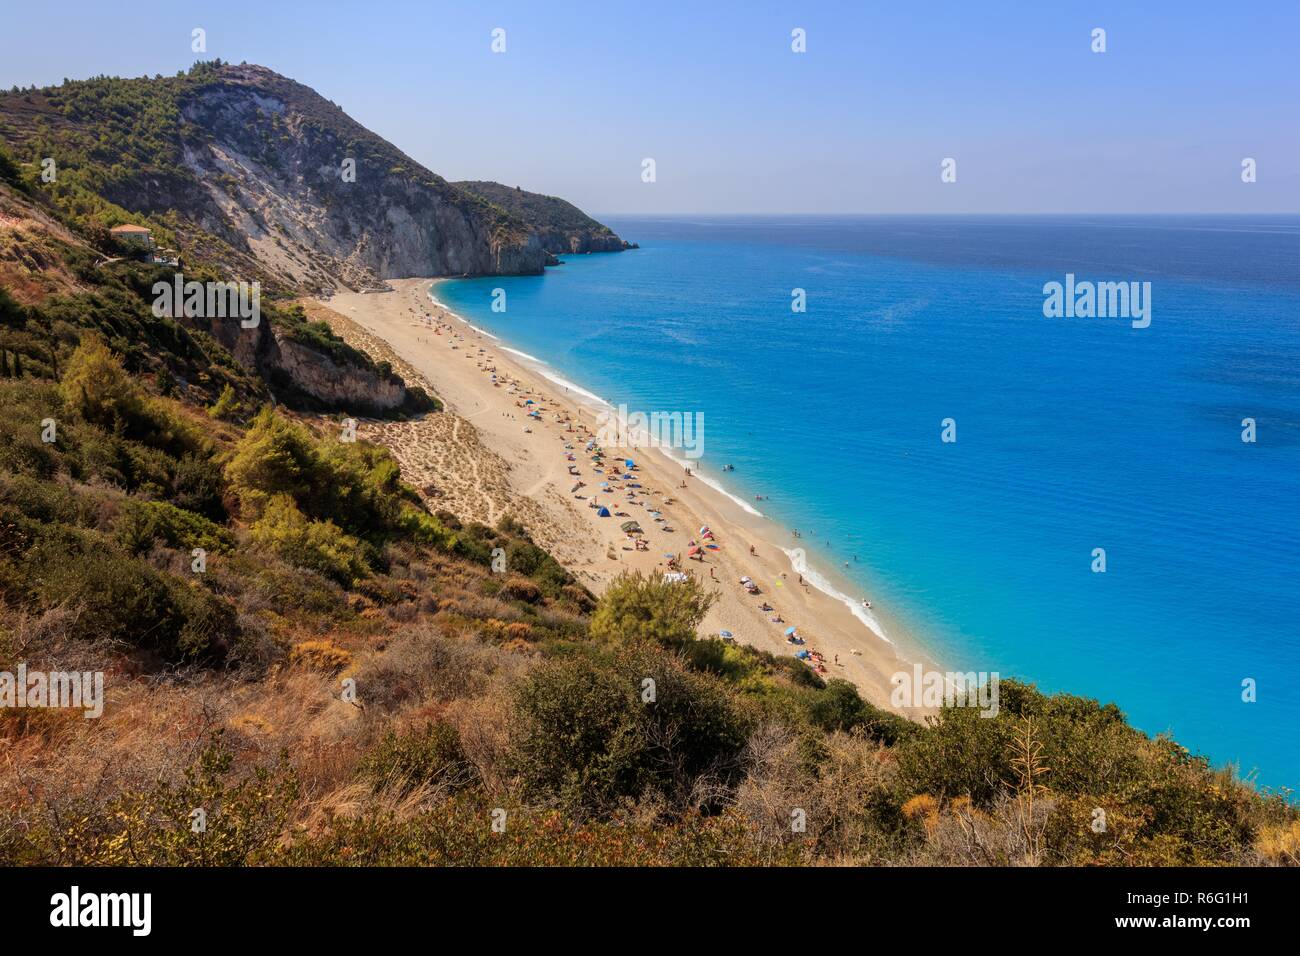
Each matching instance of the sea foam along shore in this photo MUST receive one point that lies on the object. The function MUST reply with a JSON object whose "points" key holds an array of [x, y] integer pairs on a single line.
{"points": [[798, 557], [457, 359]]}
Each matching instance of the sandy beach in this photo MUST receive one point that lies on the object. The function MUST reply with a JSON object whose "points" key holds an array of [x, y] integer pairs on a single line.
{"points": [[484, 456]]}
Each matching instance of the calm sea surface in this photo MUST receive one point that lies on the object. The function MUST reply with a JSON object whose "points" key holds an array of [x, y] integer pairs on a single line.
{"points": [[1072, 434]]}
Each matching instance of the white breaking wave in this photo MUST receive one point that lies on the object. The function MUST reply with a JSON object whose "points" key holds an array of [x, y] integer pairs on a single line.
{"points": [[717, 486], [556, 379], [641, 440], [442, 305], [799, 563]]}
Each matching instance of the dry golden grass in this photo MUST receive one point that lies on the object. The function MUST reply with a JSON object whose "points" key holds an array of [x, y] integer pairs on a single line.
{"points": [[1280, 845], [323, 656]]}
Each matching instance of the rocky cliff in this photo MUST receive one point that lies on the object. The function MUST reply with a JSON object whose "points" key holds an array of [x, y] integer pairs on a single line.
{"points": [[560, 226], [265, 178], [252, 176], [320, 198]]}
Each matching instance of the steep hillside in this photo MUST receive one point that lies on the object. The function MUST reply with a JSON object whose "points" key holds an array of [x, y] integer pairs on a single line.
{"points": [[260, 176], [63, 286], [561, 226]]}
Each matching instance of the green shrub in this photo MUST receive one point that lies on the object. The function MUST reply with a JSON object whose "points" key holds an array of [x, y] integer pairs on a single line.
{"points": [[97, 388], [589, 735], [196, 485], [275, 457], [12, 174], [141, 523], [319, 545], [958, 753], [428, 757], [23, 408], [226, 406], [124, 599], [644, 609], [837, 707]]}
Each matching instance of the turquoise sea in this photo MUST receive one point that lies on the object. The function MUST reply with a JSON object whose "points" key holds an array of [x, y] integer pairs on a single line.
{"points": [[1072, 434]]}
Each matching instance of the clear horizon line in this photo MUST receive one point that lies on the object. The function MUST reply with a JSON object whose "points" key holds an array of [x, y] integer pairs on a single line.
{"points": [[847, 215]]}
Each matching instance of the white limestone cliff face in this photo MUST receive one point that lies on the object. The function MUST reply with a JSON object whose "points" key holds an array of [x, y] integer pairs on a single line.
{"points": [[271, 154]]}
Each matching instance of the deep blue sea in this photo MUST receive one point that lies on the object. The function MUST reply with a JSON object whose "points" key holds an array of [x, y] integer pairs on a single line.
{"points": [[1072, 434]]}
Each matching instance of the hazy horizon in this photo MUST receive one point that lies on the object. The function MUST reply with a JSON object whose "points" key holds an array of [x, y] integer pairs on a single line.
{"points": [[738, 123]]}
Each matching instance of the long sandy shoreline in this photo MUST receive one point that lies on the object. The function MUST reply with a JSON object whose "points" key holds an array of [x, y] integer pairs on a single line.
{"points": [[484, 456]]}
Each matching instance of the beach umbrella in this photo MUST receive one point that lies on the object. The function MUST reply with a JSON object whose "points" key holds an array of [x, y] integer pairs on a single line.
{"points": [[704, 530], [693, 551], [629, 463], [789, 631], [630, 526]]}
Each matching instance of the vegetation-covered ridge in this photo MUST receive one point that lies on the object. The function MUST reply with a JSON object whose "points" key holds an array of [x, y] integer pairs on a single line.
{"points": [[561, 226], [62, 276], [259, 176]]}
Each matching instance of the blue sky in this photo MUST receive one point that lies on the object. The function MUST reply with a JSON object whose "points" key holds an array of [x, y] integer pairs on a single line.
{"points": [[736, 122]]}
